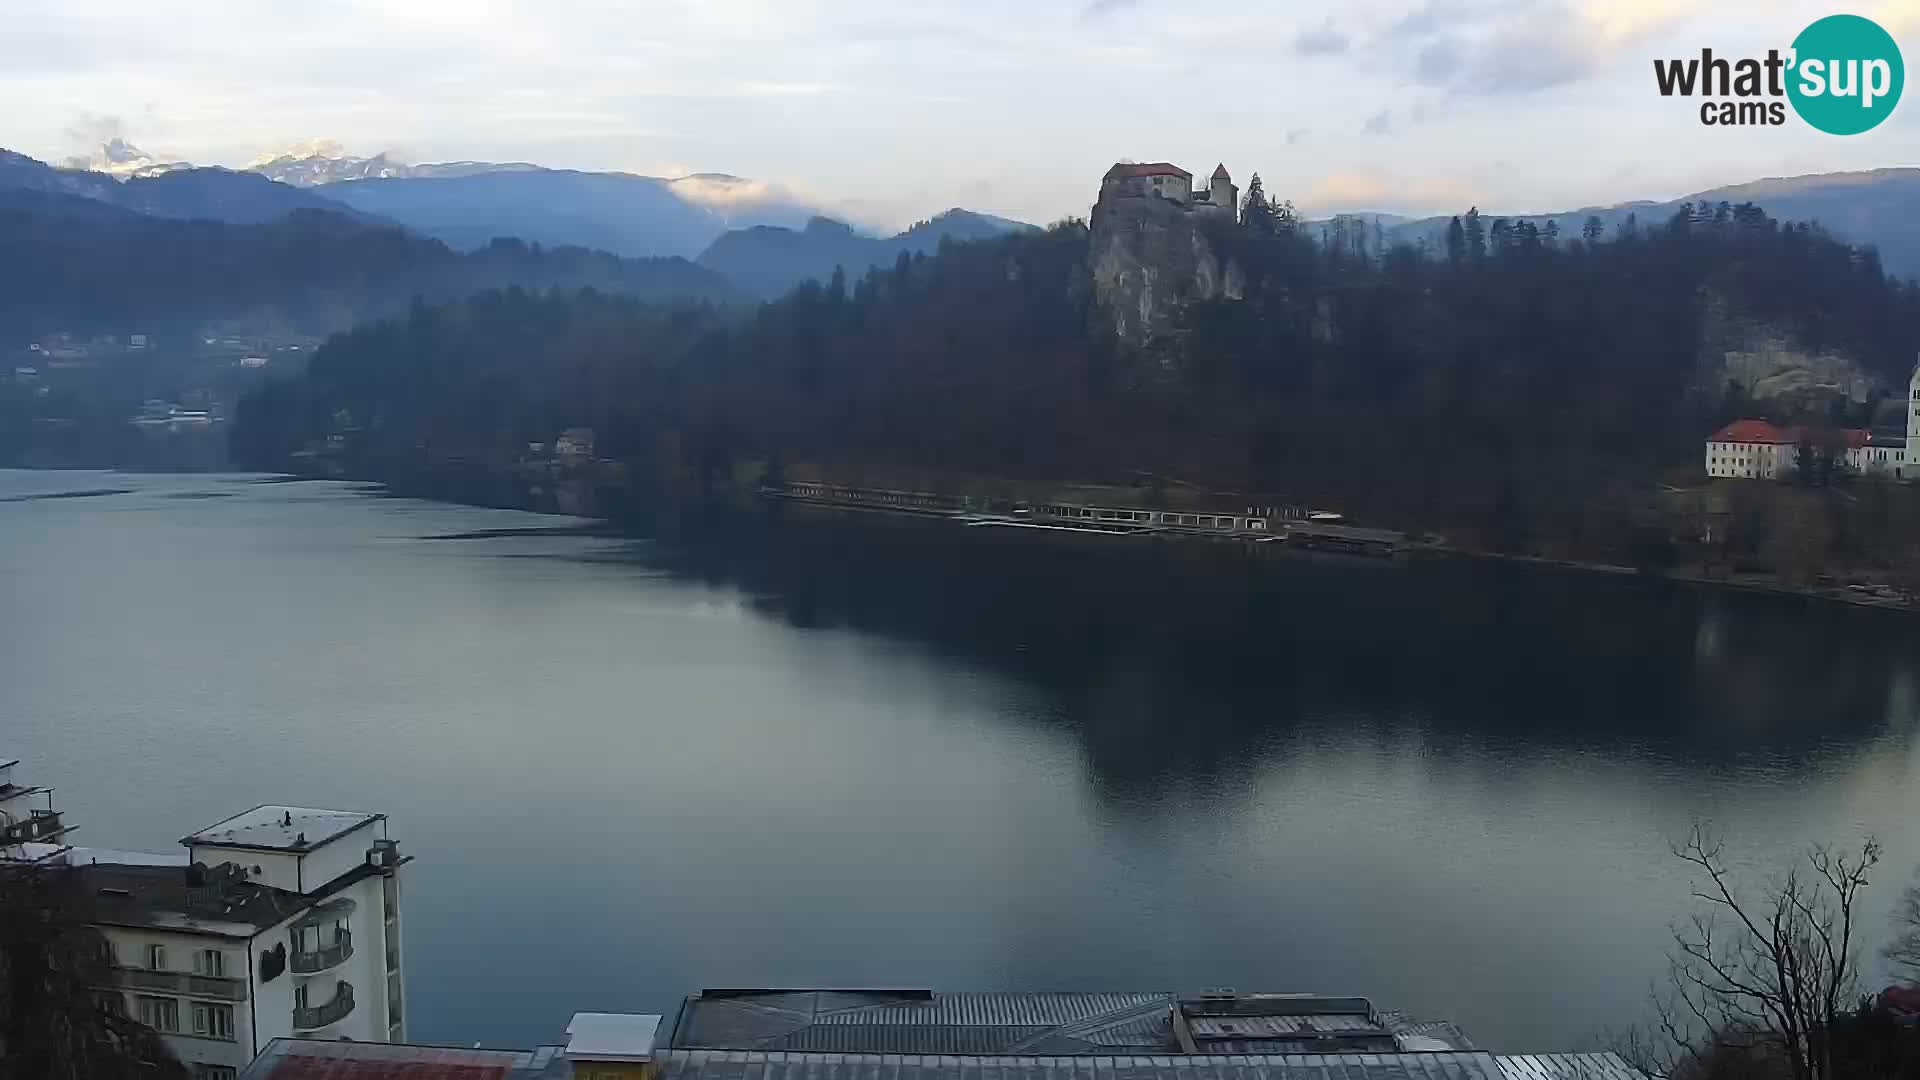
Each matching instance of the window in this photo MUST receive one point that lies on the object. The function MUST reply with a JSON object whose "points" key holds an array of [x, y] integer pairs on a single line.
{"points": [[111, 1003], [300, 996], [156, 958], [158, 1013], [213, 1021], [215, 1072], [210, 962]]}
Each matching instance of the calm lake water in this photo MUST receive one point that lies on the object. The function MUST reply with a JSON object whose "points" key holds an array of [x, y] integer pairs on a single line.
{"points": [[902, 753]]}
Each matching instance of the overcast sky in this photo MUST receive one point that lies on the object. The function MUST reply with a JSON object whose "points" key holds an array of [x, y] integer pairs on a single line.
{"points": [[890, 109]]}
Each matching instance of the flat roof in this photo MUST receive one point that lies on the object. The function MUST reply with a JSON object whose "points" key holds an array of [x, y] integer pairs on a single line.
{"points": [[317, 1059], [303, 1059], [612, 1036], [159, 898], [731, 1065], [281, 828], [860, 1021]]}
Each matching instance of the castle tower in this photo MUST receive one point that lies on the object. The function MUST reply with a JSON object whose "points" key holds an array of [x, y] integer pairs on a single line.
{"points": [[1224, 194], [1911, 469]]}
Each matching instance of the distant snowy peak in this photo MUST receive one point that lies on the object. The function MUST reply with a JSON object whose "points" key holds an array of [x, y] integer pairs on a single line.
{"points": [[121, 159], [314, 170], [323, 161]]}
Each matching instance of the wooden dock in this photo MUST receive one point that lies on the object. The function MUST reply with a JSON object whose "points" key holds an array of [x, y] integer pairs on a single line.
{"points": [[1293, 526]]}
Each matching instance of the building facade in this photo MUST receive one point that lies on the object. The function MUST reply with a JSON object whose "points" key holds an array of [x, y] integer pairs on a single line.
{"points": [[280, 922], [1762, 450], [1165, 180]]}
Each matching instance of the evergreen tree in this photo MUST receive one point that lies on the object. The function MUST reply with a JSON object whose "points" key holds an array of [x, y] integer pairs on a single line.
{"points": [[1476, 234], [1255, 213], [1593, 230], [1456, 241]]}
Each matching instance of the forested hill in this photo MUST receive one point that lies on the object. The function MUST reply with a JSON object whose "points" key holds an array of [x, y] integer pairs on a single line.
{"points": [[74, 264], [768, 260], [1520, 384]]}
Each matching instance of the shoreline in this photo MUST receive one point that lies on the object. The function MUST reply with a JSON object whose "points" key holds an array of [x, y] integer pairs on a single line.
{"points": [[531, 503], [1697, 580]]}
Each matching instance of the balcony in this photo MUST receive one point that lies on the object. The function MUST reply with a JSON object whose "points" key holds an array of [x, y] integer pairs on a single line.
{"points": [[321, 1015], [39, 826], [180, 982], [306, 963]]}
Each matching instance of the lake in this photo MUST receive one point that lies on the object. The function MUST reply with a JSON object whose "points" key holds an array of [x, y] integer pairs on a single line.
{"points": [[774, 750]]}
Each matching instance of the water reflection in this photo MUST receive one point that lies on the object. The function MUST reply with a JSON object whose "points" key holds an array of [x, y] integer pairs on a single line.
{"points": [[760, 751], [1168, 663]]}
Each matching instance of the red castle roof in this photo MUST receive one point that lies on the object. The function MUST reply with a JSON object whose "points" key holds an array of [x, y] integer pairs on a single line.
{"points": [[1149, 168], [1767, 432], [1220, 172]]}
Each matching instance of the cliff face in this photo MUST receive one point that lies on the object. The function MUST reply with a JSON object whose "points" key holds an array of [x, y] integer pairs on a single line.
{"points": [[1770, 364], [1148, 258]]}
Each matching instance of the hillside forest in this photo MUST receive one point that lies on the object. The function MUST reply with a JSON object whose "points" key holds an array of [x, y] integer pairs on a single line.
{"points": [[1527, 387]]}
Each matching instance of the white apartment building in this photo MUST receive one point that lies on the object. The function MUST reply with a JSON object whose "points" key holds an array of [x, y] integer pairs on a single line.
{"points": [[281, 922]]}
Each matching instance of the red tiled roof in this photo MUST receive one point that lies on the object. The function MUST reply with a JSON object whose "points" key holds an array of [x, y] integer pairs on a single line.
{"points": [[1220, 172], [1751, 431], [1764, 431], [447, 1066], [1148, 168]]}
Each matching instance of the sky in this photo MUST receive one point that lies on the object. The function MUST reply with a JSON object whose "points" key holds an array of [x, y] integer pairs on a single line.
{"points": [[888, 110]]}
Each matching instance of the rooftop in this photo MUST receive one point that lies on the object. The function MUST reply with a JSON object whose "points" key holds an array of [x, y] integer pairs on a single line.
{"points": [[296, 1059], [1146, 168], [313, 1059], [1055, 1024], [611, 1037], [1767, 432], [281, 828], [160, 897]]}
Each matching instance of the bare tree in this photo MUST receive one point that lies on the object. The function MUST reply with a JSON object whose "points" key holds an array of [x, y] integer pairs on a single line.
{"points": [[1904, 950], [55, 1022], [1760, 982]]}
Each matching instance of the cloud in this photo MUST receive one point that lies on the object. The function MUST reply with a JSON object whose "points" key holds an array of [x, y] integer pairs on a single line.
{"points": [[1518, 46], [90, 131], [1351, 190], [1320, 41], [1898, 17], [1437, 62], [1100, 9], [1379, 123]]}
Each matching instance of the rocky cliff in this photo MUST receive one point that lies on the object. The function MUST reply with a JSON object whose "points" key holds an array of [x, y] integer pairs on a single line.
{"points": [[1148, 258], [1772, 365]]}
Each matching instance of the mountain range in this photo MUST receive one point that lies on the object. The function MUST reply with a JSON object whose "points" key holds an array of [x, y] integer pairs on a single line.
{"points": [[762, 237], [238, 198]]}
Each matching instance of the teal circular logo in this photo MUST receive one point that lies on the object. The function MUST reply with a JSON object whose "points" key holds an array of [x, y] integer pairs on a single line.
{"points": [[1846, 76]]}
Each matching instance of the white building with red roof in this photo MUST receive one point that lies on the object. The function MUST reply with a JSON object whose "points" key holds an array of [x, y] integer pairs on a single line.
{"points": [[1762, 450], [1165, 180]]}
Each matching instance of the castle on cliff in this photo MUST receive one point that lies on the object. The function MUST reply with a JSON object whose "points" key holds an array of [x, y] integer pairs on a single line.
{"points": [[1165, 180]]}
